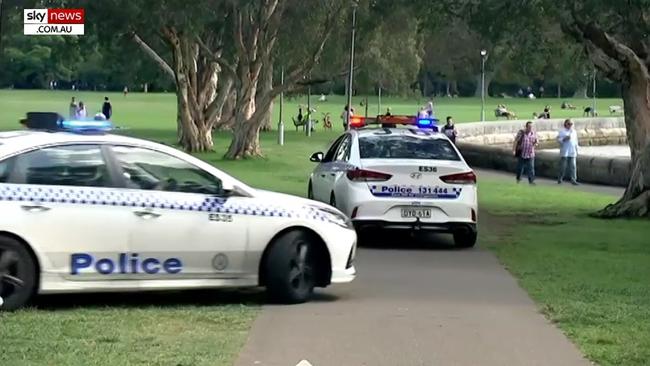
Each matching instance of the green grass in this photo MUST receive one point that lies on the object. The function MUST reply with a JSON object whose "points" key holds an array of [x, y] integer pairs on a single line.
{"points": [[590, 276], [134, 335]]}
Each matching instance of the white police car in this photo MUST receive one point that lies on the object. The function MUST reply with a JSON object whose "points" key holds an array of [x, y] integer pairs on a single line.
{"points": [[410, 178], [84, 210]]}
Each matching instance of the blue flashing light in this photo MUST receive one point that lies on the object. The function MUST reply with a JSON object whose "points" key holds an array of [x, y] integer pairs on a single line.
{"points": [[427, 123], [82, 125]]}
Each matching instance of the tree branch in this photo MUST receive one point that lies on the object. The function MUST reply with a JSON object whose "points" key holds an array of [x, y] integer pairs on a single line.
{"points": [[216, 57], [299, 71], [154, 55]]}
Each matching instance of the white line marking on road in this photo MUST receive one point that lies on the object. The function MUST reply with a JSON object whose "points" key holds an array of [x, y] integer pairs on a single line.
{"points": [[304, 363]]}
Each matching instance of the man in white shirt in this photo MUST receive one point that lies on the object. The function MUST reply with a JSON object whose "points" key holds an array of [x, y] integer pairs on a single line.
{"points": [[568, 140]]}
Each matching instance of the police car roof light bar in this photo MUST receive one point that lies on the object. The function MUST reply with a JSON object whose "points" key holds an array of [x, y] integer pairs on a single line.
{"points": [[392, 121], [50, 121]]}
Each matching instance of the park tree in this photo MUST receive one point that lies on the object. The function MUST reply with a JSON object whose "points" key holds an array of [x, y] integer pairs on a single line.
{"points": [[256, 33], [617, 40], [615, 37]]}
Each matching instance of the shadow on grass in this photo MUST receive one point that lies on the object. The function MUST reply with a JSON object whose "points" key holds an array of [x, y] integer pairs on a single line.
{"points": [[158, 299]]}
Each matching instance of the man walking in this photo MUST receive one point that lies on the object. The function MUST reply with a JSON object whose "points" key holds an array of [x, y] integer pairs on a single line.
{"points": [[524, 150], [107, 108], [568, 140]]}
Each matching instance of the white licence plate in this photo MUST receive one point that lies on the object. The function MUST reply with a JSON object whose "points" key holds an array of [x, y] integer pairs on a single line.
{"points": [[422, 213]]}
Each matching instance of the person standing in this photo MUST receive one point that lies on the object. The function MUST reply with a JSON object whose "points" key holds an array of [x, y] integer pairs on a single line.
{"points": [[107, 109], [73, 108], [568, 140], [449, 129], [81, 111], [524, 149]]}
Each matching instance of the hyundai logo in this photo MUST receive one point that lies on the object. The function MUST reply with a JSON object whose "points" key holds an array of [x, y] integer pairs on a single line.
{"points": [[416, 175]]}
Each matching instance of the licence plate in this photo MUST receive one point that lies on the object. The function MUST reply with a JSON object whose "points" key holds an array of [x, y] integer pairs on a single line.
{"points": [[422, 213]]}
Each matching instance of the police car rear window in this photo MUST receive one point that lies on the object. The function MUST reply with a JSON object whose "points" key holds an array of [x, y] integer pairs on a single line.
{"points": [[406, 147]]}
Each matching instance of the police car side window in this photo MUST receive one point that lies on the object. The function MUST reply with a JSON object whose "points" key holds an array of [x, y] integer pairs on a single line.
{"points": [[332, 151], [342, 154], [153, 170], [5, 169], [65, 165]]}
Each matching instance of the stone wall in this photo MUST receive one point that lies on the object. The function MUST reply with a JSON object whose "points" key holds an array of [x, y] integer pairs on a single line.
{"points": [[489, 145]]}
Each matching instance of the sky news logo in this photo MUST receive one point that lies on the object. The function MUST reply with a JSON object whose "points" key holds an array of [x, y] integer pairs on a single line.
{"points": [[53, 22]]}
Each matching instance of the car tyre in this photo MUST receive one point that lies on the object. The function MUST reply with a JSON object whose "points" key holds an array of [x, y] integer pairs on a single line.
{"points": [[465, 239], [17, 274], [290, 269]]}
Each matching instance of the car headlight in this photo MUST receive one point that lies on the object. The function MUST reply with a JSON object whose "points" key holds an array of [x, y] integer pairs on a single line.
{"points": [[335, 217]]}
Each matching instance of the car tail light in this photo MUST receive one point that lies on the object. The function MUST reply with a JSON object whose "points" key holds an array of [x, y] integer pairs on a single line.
{"points": [[461, 178], [362, 175]]}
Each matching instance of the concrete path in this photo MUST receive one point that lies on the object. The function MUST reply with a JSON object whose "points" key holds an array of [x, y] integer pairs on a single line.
{"points": [[420, 305]]}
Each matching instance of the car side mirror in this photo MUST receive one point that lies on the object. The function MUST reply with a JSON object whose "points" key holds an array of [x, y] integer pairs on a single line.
{"points": [[316, 157]]}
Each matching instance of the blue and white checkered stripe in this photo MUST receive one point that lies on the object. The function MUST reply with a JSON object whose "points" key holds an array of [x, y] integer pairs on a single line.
{"points": [[148, 199]]}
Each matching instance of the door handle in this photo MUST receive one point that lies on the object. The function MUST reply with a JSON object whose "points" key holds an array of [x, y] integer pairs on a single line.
{"points": [[322, 175], [35, 208], [333, 174], [146, 214]]}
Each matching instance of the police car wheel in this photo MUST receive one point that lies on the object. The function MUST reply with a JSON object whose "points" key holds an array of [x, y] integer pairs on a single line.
{"points": [[290, 269], [465, 239], [17, 274], [310, 191]]}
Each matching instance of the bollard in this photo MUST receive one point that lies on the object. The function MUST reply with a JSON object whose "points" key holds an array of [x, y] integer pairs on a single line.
{"points": [[281, 133]]}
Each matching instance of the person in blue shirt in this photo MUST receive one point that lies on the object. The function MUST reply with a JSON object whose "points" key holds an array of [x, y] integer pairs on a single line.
{"points": [[568, 140]]}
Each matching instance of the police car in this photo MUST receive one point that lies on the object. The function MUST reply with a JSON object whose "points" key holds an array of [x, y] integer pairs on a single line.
{"points": [[389, 177], [86, 210]]}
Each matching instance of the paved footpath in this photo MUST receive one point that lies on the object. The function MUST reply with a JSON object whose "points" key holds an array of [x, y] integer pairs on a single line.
{"points": [[415, 306]]}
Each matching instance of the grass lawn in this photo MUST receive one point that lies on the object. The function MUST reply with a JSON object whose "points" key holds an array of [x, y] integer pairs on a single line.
{"points": [[589, 276]]}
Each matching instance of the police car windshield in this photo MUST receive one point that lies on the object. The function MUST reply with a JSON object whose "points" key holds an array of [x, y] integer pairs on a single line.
{"points": [[406, 147]]}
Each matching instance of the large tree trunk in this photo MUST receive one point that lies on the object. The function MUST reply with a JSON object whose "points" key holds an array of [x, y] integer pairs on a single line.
{"points": [[199, 101], [636, 94], [629, 65], [488, 81], [246, 131], [581, 92], [265, 89]]}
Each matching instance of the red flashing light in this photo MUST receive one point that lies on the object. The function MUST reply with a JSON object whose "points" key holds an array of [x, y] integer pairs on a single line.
{"points": [[356, 121], [460, 178], [362, 175]]}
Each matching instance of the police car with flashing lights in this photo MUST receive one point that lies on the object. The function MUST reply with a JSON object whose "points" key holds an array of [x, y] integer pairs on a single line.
{"points": [[86, 210], [410, 178]]}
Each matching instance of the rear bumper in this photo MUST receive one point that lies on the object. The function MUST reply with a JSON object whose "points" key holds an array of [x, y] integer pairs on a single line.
{"points": [[446, 227]]}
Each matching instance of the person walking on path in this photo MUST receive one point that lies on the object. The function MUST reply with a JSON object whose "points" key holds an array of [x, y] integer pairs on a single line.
{"points": [[449, 130], [107, 109], [568, 140], [524, 150]]}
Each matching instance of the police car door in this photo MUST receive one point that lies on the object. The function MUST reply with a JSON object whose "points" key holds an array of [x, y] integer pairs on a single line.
{"points": [[61, 200], [320, 188], [338, 166], [182, 229]]}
